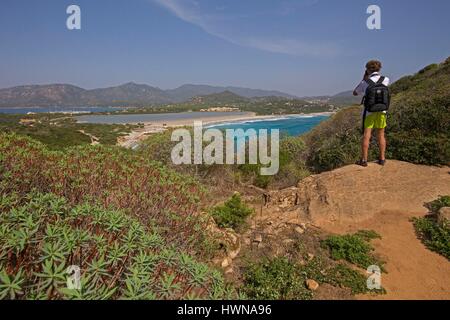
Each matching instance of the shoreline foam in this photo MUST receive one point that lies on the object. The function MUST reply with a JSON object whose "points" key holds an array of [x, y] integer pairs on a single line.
{"points": [[158, 126]]}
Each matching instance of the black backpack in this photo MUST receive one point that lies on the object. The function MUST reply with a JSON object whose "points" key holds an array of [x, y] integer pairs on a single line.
{"points": [[377, 98]]}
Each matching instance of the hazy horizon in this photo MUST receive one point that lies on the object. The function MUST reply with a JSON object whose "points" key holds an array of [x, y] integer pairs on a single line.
{"points": [[303, 47], [225, 86]]}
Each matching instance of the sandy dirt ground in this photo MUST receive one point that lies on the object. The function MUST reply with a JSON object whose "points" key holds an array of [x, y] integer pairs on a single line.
{"points": [[384, 199], [413, 271]]}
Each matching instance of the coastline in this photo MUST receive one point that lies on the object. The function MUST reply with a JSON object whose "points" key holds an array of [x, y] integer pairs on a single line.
{"points": [[136, 136]]}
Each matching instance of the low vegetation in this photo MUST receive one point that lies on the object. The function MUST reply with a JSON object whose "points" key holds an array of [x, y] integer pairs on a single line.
{"points": [[232, 214], [158, 147], [59, 131], [129, 223], [436, 236], [108, 175], [283, 279], [354, 248], [436, 205], [119, 257], [276, 279]]}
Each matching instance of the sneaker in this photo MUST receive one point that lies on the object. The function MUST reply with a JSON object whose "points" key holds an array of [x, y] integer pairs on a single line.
{"points": [[362, 163], [381, 162]]}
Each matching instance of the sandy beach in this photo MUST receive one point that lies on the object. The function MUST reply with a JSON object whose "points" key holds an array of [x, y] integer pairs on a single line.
{"points": [[156, 126]]}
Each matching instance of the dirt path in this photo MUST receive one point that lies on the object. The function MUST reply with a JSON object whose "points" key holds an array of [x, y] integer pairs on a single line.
{"points": [[94, 139], [414, 272], [383, 199]]}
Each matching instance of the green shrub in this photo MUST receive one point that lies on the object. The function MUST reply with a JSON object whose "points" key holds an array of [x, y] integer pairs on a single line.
{"points": [[158, 147], [232, 214], [291, 149], [262, 181], [433, 235], [436, 237], [342, 275], [280, 278], [436, 205], [354, 248], [276, 279], [41, 235], [416, 147], [292, 163], [334, 142]]}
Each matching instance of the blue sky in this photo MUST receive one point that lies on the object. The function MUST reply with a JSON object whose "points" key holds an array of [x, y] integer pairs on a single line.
{"points": [[303, 47]]}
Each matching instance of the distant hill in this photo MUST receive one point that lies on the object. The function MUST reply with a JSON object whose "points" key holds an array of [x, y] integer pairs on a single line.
{"points": [[345, 98], [226, 97], [45, 95], [341, 99], [130, 94], [65, 95], [255, 93], [188, 91]]}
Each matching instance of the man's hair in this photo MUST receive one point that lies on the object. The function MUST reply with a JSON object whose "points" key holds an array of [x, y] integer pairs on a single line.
{"points": [[373, 66]]}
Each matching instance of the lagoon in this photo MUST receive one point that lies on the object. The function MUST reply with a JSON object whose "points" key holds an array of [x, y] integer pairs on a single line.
{"points": [[160, 118]]}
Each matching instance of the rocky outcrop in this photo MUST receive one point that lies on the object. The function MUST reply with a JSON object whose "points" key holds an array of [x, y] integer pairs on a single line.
{"points": [[443, 216], [354, 193], [229, 241]]}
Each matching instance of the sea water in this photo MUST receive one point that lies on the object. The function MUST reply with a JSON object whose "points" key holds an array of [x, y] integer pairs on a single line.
{"points": [[293, 125]]}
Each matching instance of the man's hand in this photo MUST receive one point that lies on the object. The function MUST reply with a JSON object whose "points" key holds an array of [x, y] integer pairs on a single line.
{"points": [[355, 93]]}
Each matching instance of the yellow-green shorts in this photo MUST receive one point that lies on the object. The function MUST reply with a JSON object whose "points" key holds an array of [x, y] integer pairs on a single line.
{"points": [[376, 120]]}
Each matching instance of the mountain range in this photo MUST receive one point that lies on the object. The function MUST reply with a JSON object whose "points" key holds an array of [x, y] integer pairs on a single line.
{"points": [[133, 94], [129, 94]]}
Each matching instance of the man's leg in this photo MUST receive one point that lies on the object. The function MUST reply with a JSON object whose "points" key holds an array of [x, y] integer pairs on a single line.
{"points": [[382, 143], [365, 144]]}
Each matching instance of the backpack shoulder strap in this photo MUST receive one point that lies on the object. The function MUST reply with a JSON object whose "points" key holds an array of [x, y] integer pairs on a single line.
{"points": [[381, 80], [370, 82]]}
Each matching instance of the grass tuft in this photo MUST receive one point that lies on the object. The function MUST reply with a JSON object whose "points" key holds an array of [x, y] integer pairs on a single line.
{"points": [[435, 236], [354, 248]]}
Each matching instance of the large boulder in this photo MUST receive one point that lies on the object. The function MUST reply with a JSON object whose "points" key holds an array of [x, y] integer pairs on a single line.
{"points": [[354, 193]]}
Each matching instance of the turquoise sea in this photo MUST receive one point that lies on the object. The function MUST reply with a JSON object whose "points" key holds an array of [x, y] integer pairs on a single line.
{"points": [[288, 125], [291, 125]]}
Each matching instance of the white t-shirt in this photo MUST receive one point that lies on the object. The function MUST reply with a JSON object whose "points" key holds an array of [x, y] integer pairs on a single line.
{"points": [[363, 85]]}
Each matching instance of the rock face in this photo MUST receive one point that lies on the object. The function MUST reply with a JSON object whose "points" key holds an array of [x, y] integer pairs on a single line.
{"points": [[444, 216], [229, 240], [354, 193], [258, 238], [312, 285]]}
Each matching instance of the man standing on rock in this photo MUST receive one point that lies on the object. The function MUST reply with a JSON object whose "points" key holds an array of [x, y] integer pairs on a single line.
{"points": [[376, 102]]}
